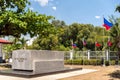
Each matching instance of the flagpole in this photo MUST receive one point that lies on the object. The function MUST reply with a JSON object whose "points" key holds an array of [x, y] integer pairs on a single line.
{"points": [[95, 41], [83, 43], [71, 53], [103, 32], [103, 42], [109, 46], [108, 25], [109, 49]]}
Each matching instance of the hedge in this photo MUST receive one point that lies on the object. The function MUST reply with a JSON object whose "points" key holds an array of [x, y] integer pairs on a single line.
{"points": [[89, 62]]}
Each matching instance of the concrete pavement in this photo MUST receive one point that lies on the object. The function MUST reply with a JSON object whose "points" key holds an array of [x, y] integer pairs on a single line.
{"points": [[50, 77]]}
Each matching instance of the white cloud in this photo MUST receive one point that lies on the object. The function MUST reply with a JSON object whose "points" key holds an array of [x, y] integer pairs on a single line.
{"points": [[42, 2], [98, 17], [31, 8], [31, 41], [54, 8]]}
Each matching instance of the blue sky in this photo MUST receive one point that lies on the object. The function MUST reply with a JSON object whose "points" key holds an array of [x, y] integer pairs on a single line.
{"points": [[80, 11]]}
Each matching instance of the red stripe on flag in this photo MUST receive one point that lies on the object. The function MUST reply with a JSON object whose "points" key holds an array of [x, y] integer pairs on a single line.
{"points": [[97, 44], [106, 27]]}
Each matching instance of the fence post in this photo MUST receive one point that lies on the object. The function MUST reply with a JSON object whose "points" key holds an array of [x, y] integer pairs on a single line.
{"points": [[88, 54], [107, 55], [71, 54]]}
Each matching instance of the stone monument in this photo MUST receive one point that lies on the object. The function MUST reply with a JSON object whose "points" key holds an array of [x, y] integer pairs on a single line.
{"points": [[38, 61]]}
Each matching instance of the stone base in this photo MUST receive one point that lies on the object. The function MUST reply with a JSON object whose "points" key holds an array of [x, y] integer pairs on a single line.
{"points": [[30, 74], [48, 66]]}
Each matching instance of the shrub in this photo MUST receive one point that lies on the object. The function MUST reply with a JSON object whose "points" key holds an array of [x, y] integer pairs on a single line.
{"points": [[76, 62], [68, 61], [89, 62], [98, 62], [6, 65], [112, 62], [93, 62], [107, 63], [86, 62]]}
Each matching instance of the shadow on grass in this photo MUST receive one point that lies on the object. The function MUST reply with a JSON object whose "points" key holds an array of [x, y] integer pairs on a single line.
{"points": [[115, 74]]}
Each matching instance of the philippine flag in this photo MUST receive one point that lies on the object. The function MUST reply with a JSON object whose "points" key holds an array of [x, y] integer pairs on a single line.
{"points": [[74, 45], [107, 24], [97, 44]]}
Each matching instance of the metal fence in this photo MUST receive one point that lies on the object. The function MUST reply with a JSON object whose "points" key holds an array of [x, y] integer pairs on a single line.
{"points": [[107, 55]]}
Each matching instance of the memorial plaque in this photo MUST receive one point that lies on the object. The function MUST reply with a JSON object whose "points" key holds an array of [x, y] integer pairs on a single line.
{"points": [[22, 60]]}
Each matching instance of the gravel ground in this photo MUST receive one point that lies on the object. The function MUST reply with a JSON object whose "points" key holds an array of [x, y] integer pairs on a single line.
{"points": [[103, 73]]}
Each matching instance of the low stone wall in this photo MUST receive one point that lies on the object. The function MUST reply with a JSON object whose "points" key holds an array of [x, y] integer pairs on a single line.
{"points": [[38, 61]]}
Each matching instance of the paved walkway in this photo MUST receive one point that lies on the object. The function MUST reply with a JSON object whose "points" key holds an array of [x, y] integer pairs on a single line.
{"points": [[50, 77]]}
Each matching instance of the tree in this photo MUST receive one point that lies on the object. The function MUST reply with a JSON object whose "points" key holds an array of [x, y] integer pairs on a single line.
{"points": [[17, 6], [118, 8], [115, 32], [47, 40], [23, 42], [15, 20], [58, 23], [10, 11], [51, 39]]}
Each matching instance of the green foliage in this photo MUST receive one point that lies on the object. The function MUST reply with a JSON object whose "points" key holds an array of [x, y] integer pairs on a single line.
{"points": [[6, 66], [112, 62], [10, 21], [115, 32], [93, 62], [88, 62], [75, 62], [23, 43], [15, 5], [61, 48], [118, 8], [68, 62], [107, 63], [59, 37], [15, 20], [83, 62], [47, 40], [58, 23]]}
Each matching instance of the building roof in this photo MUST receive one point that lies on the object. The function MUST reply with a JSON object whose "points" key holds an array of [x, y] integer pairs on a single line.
{"points": [[5, 41]]}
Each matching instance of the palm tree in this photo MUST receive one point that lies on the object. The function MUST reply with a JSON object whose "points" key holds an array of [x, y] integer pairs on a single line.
{"points": [[23, 42], [115, 33], [118, 8]]}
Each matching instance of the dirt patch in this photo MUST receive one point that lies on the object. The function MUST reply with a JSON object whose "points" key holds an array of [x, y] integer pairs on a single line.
{"points": [[103, 73]]}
